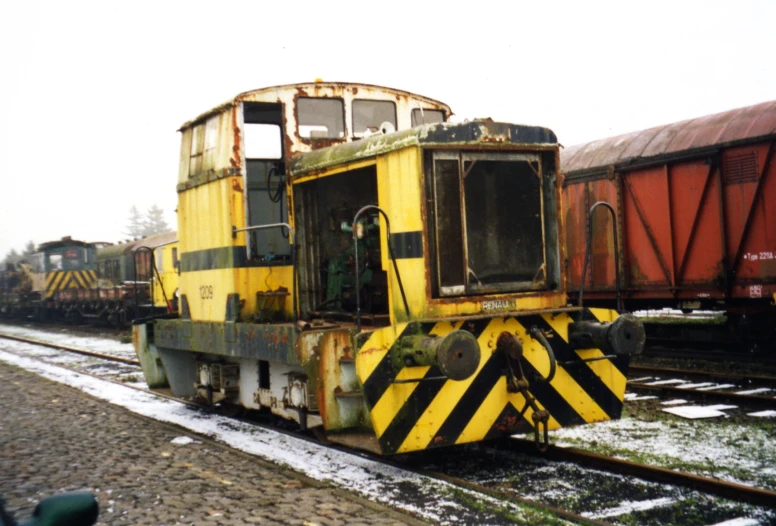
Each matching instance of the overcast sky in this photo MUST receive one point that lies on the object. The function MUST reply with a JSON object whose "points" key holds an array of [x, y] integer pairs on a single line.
{"points": [[92, 93]]}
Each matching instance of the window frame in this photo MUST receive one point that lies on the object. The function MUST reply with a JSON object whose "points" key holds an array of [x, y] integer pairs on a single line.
{"points": [[466, 289], [423, 110], [310, 138], [355, 133]]}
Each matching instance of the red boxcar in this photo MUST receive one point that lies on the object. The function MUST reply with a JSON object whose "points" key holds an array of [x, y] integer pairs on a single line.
{"points": [[695, 205]]}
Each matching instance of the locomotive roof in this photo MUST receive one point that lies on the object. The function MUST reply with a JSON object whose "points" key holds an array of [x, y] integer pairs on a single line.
{"points": [[61, 243], [306, 89], [673, 140], [473, 133]]}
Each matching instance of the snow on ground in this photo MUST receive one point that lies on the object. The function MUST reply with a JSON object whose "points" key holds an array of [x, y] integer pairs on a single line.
{"points": [[371, 479], [695, 386], [761, 390], [88, 343], [743, 521], [667, 382], [717, 387], [694, 411], [630, 507], [737, 453], [183, 441], [767, 414]]}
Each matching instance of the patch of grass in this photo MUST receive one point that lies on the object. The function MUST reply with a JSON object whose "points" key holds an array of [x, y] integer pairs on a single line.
{"points": [[506, 512], [755, 447], [125, 338], [131, 379]]}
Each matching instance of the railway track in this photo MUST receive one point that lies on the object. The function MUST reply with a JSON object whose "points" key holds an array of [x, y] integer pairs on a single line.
{"points": [[657, 348], [109, 357], [721, 488], [713, 386], [736, 492], [701, 375]]}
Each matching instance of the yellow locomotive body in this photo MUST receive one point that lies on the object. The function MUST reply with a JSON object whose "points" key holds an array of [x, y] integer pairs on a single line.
{"points": [[399, 289]]}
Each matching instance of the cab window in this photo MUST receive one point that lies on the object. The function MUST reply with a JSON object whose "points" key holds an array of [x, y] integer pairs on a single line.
{"points": [[320, 118], [373, 116], [55, 261], [421, 117]]}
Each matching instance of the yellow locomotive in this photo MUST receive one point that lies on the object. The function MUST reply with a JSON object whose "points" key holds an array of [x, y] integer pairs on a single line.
{"points": [[353, 261]]}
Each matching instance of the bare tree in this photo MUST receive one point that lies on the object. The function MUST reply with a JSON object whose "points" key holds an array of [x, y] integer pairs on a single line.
{"points": [[135, 226], [154, 222]]}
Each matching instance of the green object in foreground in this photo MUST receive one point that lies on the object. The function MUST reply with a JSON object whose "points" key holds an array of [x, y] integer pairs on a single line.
{"points": [[70, 509]]}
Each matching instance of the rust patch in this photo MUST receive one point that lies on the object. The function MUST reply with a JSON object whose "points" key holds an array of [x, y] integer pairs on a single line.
{"points": [[347, 352], [236, 158], [236, 185], [370, 351]]}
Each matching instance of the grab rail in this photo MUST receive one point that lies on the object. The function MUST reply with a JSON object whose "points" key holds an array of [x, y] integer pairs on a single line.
{"points": [[390, 252], [616, 252]]}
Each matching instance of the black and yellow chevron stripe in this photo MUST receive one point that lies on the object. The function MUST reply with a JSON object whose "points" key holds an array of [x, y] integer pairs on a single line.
{"points": [[69, 279], [410, 416]]}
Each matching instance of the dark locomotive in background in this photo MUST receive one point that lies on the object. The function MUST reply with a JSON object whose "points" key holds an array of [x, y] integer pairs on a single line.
{"points": [[78, 282]]}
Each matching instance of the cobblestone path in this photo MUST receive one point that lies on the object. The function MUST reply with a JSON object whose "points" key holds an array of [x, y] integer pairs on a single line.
{"points": [[54, 439]]}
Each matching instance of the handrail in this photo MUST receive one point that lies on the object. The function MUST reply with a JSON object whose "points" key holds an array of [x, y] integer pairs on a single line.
{"points": [[616, 252], [158, 277], [390, 252], [293, 255]]}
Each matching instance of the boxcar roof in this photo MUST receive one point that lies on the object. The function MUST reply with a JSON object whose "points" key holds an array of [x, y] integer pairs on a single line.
{"points": [[130, 246], [307, 89], [158, 240], [473, 133], [677, 139]]}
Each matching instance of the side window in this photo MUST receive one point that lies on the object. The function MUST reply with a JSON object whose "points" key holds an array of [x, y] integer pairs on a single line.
{"points": [[210, 143], [263, 141], [197, 147], [55, 262], [320, 118], [421, 117], [373, 116], [159, 260]]}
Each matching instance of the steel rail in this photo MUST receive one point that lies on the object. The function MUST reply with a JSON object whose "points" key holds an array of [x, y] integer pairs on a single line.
{"points": [[708, 396], [721, 488], [663, 348], [698, 374], [72, 349]]}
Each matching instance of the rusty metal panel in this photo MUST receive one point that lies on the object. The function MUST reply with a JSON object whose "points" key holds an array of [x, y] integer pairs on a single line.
{"points": [[750, 222], [578, 198], [743, 124]]}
